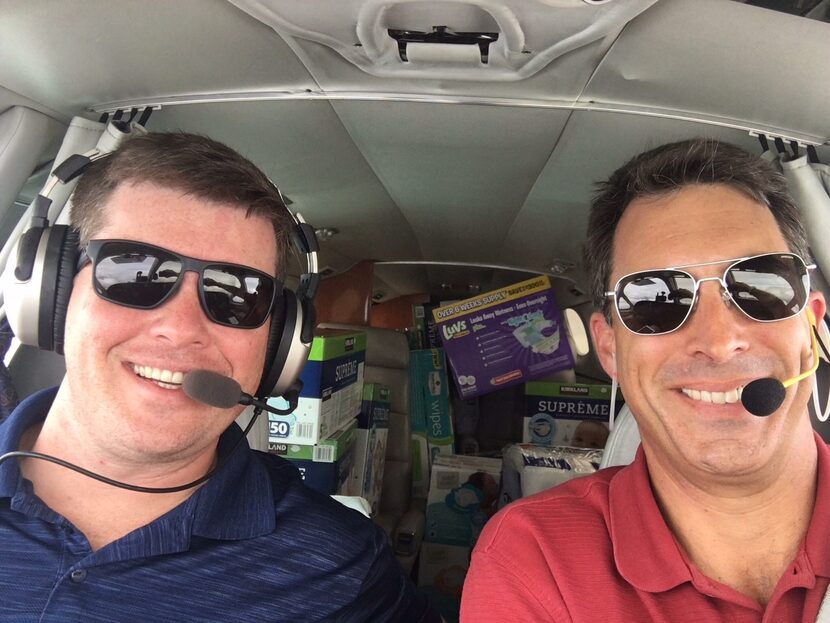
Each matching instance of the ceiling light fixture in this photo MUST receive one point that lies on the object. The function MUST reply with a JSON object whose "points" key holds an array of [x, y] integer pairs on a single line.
{"points": [[326, 233]]}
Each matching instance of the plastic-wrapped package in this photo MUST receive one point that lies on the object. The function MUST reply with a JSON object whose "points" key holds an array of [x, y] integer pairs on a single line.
{"points": [[528, 468]]}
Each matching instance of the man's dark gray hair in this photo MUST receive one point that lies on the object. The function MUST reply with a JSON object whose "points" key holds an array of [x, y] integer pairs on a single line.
{"points": [[189, 163], [669, 168]]}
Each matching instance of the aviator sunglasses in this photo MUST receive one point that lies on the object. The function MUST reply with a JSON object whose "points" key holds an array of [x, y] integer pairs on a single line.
{"points": [[766, 288], [143, 276]]}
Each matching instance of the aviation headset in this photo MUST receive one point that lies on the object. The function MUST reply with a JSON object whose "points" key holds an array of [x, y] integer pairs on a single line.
{"points": [[37, 284]]}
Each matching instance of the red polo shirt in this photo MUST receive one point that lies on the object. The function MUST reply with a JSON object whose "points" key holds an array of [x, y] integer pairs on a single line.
{"points": [[598, 549]]}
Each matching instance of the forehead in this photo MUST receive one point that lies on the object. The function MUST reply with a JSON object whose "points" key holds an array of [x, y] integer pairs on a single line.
{"points": [[189, 225], [701, 223]]}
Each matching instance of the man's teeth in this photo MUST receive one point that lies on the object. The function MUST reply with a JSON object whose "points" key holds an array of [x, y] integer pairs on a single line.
{"points": [[717, 398], [164, 378]]}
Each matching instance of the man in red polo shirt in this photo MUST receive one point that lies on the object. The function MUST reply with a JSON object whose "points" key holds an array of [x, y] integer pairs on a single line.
{"points": [[699, 265]]}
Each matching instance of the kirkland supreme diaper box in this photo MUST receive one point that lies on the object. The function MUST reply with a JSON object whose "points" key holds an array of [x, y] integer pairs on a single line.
{"points": [[528, 469], [568, 414], [504, 337], [441, 572], [332, 389], [335, 476], [328, 450], [463, 495], [370, 443], [429, 409]]}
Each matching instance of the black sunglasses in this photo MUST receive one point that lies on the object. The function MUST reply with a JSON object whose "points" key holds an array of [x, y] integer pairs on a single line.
{"points": [[143, 276], [767, 288]]}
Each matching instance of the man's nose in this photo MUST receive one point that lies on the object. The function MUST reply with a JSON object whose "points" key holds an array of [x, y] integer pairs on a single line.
{"points": [[180, 319], [716, 326]]}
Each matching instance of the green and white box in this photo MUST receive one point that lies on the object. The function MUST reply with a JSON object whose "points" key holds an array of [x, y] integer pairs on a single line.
{"points": [[567, 414], [332, 389], [430, 421], [329, 450]]}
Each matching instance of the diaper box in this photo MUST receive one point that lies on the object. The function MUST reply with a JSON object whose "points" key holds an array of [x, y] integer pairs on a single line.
{"points": [[463, 495], [333, 477], [424, 323], [441, 572], [529, 469], [331, 393], [504, 337], [370, 443], [328, 450], [567, 414]]}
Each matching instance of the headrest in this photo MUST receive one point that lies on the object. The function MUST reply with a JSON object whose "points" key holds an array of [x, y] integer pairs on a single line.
{"points": [[385, 348], [623, 441]]}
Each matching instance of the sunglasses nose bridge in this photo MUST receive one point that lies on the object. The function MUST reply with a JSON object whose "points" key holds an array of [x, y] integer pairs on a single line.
{"points": [[724, 290]]}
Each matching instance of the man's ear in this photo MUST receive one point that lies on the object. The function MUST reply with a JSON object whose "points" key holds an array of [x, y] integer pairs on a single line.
{"points": [[605, 343], [817, 305]]}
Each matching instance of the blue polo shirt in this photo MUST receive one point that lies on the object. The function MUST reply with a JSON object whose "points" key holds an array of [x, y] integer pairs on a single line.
{"points": [[252, 544]]}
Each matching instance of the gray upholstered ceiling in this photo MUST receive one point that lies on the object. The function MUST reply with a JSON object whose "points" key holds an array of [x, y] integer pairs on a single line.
{"points": [[445, 164]]}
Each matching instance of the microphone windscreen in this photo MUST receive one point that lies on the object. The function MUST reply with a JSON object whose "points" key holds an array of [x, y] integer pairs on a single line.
{"points": [[762, 397], [212, 388]]}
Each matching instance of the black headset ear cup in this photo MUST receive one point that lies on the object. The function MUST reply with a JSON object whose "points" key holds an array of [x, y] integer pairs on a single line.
{"points": [[64, 279], [290, 351], [273, 367]]}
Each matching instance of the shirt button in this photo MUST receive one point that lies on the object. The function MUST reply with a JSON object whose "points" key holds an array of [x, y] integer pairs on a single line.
{"points": [[79, 575]]}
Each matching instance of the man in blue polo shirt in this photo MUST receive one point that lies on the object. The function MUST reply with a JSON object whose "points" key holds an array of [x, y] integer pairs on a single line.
{"points": [[182, 238]]}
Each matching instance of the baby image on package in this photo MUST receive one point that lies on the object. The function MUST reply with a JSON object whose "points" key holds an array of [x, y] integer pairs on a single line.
{"points": [[537, 333]]}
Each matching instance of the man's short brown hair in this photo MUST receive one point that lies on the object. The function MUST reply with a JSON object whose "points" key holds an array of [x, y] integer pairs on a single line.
{"points": [[190, 163], [669, 168]]}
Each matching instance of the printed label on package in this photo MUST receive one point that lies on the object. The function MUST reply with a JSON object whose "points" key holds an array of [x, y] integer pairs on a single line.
{"points": [[504, 337]]}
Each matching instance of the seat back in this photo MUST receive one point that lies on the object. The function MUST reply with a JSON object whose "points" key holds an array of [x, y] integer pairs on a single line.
{"points": [[623, 441]]}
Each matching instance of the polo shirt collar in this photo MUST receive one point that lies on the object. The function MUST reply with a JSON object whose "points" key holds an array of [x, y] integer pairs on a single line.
{"points": [[645, 550], [238, 501], [28, 413], [816, 543], [235, 503]]}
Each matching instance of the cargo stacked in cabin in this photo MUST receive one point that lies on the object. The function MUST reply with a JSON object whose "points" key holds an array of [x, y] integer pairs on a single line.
{"points": [[319, 436]]}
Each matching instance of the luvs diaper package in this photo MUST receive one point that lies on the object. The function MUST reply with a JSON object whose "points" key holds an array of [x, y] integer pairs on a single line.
{"points": [[504, 337]]}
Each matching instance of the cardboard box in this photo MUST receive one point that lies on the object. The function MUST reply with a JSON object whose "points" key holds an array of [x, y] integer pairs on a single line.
{"points": [[314, 419], [430, 423], [370, 443], [441, 572], [463, 495], [504, 337], [567, 414], [332, 389], [329, 450], [426, 328], [529, 469], [331, 478]]}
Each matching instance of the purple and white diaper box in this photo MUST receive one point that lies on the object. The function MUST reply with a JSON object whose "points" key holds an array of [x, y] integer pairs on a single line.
{"points": [[504, 337]]}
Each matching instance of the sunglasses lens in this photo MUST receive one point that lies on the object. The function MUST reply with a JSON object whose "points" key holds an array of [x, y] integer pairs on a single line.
{"points": [[654, 302], [769, 287], [236, 296], [134, 275]]}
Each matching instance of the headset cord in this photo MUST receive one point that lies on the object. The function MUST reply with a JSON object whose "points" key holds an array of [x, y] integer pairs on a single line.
{"points": [[124, 485]]}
